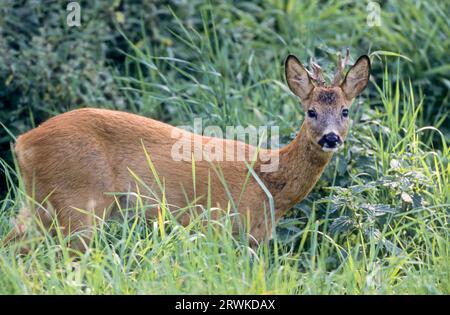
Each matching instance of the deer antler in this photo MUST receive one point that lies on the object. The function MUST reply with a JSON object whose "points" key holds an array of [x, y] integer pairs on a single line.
{"points": [[317, 74], [340, 67]]}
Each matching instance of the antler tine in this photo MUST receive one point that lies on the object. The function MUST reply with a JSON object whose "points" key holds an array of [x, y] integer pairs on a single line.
{"points": [[340, 67], [338, 73], [317, 74], [347, 56], [311, 75]]}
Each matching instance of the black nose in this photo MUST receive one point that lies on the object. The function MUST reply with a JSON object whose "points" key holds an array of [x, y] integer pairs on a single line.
{"points": [[330, 140]]}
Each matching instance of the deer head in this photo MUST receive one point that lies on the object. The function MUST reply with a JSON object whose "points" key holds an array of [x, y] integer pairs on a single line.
{"points": [[327, 106]]}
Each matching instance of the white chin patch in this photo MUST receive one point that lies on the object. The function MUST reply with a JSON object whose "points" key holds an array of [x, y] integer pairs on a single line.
{"points": [[326, 149]]}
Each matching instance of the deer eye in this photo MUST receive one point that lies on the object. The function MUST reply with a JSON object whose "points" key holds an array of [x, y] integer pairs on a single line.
{"points": [[312, 113], [345, 112]]}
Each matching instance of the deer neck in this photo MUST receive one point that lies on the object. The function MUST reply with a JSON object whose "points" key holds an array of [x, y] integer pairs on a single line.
{"points": [[301, 163]]}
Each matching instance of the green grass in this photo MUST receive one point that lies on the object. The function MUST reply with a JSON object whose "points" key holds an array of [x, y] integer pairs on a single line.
{"points": [[377, 221]]}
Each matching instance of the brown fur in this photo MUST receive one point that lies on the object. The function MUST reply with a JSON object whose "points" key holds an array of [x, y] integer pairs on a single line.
{"points": [[327, 97], [71, 161]]}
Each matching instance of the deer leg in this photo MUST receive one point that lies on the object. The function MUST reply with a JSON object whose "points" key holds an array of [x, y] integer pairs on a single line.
{"points": [[79, 224], [23, 224]]}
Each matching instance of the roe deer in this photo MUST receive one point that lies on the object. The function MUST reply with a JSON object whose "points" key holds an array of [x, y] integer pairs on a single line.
{"points": [[73, 160]]}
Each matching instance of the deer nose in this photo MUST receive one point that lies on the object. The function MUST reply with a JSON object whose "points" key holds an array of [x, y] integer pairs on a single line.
{"points": [[330, 140]]}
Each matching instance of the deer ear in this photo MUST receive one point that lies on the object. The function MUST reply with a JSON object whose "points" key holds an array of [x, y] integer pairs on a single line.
{"points": [[357, 77], [297, 78]]}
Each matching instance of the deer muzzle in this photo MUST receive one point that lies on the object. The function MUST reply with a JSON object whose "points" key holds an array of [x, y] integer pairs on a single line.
{"points": [[330, 142]]}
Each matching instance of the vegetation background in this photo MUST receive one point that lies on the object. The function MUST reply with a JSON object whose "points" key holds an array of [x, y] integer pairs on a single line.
{"points": [[377, 222]]}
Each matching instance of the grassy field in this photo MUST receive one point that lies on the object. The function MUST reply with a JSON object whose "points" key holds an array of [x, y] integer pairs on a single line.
{"points": [[376, 222]]}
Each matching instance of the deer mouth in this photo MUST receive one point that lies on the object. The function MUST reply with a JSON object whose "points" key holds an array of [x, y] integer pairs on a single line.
{"points": [[329, 149], [330, 142]]}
